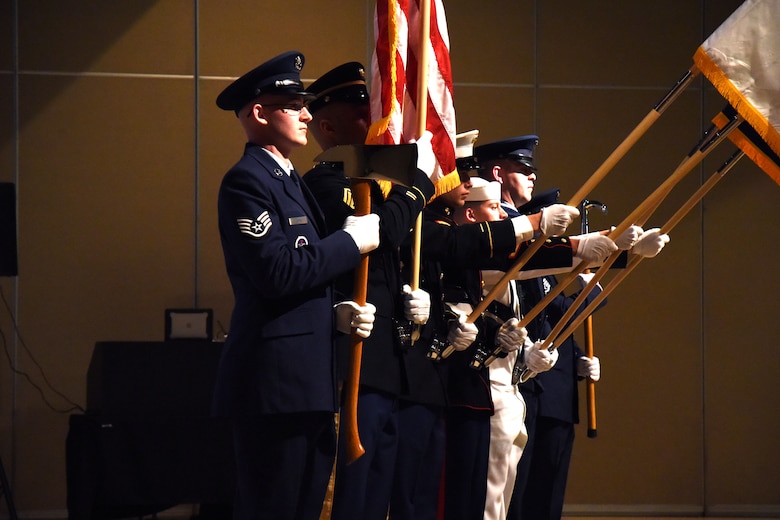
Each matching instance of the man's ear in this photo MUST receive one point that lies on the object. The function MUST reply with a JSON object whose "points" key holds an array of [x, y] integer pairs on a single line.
{"points": [[470, 215], [256, 113], [326, 127], [496, 171]]}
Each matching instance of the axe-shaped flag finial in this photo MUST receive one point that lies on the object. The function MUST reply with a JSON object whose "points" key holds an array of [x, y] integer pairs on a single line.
{"points": [[396, 163]]}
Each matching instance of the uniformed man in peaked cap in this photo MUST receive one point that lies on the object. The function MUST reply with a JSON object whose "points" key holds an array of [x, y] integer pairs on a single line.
{"points": [[276, 381], [345, 83], [452, 254], [280, 75], [510, 162], [551, 396], [341, 116]]}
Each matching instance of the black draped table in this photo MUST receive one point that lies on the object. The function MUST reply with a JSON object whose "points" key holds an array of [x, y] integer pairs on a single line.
{"points": [[146, 442]]}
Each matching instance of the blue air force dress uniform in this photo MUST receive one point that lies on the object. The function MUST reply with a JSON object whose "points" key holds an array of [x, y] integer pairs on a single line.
{"points": [[552, 410], [362, 488], [277, 375], [541, 476]]}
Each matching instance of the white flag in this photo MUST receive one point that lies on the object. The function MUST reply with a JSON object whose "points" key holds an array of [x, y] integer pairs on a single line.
{"points": [[742, 61]]}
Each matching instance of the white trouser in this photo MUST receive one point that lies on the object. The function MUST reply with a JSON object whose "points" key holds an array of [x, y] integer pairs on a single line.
{"points": [[508, 436]]}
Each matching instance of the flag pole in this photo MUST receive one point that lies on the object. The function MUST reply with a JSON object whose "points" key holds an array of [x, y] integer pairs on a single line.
{"points": [[423, 58], [595, 178], [643, 211], [749, 142], [422, 121], [711, 139], [633, 137], [362, 194], [666, 228], [590, 385], [639, 216], [361, 190]]}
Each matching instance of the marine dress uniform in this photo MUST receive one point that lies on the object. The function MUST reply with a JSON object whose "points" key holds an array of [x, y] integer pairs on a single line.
{"points": [[457, 253]]}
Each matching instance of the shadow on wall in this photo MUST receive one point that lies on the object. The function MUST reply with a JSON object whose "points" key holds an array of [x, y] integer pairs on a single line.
{"points": [[86, 29]]}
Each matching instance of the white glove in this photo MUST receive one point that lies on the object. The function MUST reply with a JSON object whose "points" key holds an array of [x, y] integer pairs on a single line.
{"points": [[590, 368], [364, 230], [426, 160], [628, 238], [350, 315], [538, 359], [511, 335], [417, 304], [594, 248], [556, 218], [462, 334], [584, 279], [650, 243]]}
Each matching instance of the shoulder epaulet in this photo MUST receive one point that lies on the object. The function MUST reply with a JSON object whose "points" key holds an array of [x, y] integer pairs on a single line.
{"points": [[347, 198]]}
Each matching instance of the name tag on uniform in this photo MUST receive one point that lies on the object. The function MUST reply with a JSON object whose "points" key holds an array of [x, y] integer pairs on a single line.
{"points": [[297, 221]]}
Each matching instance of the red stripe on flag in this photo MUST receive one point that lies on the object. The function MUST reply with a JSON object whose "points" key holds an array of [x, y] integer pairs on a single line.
{"points": [[397, 28]]}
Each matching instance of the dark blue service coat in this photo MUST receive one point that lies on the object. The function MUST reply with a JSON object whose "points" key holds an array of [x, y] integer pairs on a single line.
{"points": [[279, 353]]}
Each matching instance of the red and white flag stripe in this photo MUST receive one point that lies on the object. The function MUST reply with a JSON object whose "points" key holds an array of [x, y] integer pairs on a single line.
{"points": [[394, 81]]}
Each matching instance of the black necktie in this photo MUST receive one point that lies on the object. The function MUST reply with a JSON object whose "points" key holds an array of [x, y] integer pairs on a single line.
{"points": [[296, 179]]}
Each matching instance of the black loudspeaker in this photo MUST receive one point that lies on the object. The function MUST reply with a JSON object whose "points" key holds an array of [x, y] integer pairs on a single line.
{"points": [[9, 265]]}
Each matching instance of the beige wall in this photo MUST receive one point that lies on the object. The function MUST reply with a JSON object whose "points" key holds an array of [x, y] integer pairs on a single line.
{"points": [[108, 126]]}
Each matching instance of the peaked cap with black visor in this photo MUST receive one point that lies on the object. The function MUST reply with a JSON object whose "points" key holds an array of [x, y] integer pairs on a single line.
{"points": [[345, 83], [279, 75], [520, 149]]}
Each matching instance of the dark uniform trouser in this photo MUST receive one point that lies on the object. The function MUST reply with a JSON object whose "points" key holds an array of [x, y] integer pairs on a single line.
{"points": [[543, 470], [546, 487], [362, 488], [466, 464], [283, 464], [419, 462]]}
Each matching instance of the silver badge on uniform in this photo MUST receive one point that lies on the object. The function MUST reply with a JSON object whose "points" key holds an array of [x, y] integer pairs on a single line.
{"points": [[301, 241], [297, 221], [255, 228], [546, 285]]}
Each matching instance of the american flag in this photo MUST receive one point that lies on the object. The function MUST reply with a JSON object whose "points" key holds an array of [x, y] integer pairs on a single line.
{"points": [[398, 26]]}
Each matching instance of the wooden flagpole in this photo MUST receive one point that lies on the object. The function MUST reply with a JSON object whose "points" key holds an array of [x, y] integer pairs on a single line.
{"points": [[362, 193], [638, 216], [423, 58], [666, 228], [590, 385], [597, 176], [361, 190]]}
